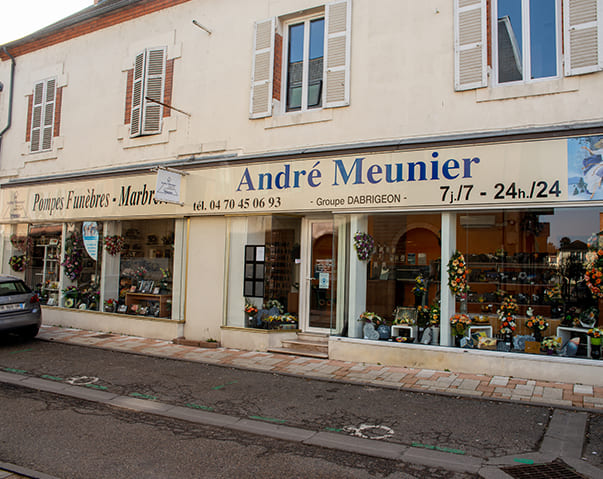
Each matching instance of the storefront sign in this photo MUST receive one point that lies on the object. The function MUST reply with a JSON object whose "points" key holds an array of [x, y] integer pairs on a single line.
{"points": [[167, 187], [90, 238], [546, 172]]}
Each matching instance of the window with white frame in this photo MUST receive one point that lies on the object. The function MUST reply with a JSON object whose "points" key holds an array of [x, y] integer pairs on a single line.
{"points": [[42, 115], [302, 63], [531, 40], [147, 92], [305, 58], [526, 39]]}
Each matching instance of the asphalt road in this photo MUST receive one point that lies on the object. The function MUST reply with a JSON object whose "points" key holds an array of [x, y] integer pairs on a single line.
{"points": [[475, 427]]}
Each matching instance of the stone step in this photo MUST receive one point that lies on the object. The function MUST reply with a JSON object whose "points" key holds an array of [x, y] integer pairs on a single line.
{"points": [[305, 345], [297, 352], [313, 337]]}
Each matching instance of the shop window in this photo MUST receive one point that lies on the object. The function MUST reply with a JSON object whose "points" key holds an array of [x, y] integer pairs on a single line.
{"points": [[407, 253], [537, 259], [146, 268], [264, 272], [44, 245]]}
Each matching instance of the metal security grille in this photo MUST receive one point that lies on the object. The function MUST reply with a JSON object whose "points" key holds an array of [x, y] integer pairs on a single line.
{"points": [[552, 470]]}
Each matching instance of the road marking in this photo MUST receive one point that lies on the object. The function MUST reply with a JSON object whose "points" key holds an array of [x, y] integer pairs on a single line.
{"points": [[95, 386], [142, 396], [82, 380], [370, 431], [437, 448], [223, 385], [54, 378], [12, 370], [198, 406], [22, 351], [270, 419]]}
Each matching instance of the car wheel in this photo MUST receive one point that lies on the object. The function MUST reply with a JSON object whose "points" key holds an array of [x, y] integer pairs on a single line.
{"points": [[29, 332]]}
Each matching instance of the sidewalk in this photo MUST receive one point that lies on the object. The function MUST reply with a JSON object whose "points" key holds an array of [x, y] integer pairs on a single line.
{"points": [[501, 388]]}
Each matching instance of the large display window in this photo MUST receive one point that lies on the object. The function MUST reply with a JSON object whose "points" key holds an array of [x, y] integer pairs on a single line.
{"points": [[264, 272]]}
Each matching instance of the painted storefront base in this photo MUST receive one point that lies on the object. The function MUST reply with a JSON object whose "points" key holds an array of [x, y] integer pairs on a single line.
{"points": [[255, 339], [155, 328], [491, 363]]}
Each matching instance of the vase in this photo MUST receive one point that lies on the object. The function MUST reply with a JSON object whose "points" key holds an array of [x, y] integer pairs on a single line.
{"points": [[109, 309], [384, 331], [537, 335], [595, 348], [457, 341], [435, 335]]}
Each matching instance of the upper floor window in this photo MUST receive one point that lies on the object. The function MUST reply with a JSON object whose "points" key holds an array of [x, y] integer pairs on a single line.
{"points": [[526, 38], [305, 55], [302, 62], [42, 115]]}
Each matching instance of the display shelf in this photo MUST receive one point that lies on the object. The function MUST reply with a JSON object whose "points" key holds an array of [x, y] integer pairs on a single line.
{"points": [[140, 300]]}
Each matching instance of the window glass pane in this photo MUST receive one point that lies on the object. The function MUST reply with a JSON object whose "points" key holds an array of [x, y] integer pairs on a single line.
{"points": [[296, 43], [317, 38], [509, 41], [543, 40], [294, 98], [295, 67]]}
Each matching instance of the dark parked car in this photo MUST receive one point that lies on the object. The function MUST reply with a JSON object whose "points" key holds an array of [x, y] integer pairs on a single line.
{"points": [[20, 310]]}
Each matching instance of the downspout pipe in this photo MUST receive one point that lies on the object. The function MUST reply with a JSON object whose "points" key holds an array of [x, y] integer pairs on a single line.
{"points": [[10, 98]]}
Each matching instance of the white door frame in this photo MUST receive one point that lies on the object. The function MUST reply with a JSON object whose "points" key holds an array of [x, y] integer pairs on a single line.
{"points": [[306, 273]]}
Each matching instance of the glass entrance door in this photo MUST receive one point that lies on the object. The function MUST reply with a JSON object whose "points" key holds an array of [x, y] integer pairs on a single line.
{"points": [[321, 278]]}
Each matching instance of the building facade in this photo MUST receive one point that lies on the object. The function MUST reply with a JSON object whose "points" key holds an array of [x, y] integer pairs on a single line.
{"points": [[172, 170]]}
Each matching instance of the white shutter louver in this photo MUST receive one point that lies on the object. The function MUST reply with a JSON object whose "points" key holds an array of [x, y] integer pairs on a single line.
{"points": [[583, 36], [36, 116], [338, 20], [262, 73], [155, 74], [42, 118], [48, 115], [137, 91], [470, 44]]}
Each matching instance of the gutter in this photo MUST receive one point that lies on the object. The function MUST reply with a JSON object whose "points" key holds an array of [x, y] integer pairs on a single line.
{"points": [[10, 98]]}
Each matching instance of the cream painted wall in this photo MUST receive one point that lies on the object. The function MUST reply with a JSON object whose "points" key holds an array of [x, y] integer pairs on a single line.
{"points": [[401, 87], [205, 278]]}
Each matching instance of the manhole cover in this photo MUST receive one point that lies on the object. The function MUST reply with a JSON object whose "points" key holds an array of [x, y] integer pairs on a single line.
{"points": [[552, 470], [103, 336]]}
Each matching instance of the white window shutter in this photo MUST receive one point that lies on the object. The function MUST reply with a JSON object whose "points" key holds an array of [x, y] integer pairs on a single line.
{"points": [[262, 71], [48, 124], [470, 44], [583, 36], [36, 116], [338, 25], [137, 92], [154, 79]]}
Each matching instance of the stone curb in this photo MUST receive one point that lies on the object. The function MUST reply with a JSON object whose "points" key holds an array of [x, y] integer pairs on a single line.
{"points": [[23, 471]]}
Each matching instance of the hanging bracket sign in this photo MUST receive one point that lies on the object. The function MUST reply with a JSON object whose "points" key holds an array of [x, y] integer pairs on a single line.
{"points": [[168, 187]]}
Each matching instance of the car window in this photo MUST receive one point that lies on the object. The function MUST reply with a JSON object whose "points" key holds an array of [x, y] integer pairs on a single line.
{"points": [[13, 287]]}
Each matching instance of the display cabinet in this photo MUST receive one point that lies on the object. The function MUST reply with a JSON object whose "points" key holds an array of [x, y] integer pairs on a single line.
{"points": [[45, 269]]}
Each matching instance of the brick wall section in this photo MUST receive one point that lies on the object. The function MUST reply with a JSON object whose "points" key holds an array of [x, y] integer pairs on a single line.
{"points": [[92, 25], [278, 67], [128, 108], [57, 111], [167, 90], [29, 113]]}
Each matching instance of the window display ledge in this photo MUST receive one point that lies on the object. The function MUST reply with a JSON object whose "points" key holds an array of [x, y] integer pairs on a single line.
{"points": [[492, 363]]}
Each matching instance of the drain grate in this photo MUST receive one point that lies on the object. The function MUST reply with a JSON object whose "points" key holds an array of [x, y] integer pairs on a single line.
{"points": [[552, 470]]}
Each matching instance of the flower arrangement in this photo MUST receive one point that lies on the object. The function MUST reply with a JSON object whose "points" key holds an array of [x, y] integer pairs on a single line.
{"points": [[419, 289], [365, 245], [434, 315], [423, 313], [20, 243], [288, 318], [18, 262], [553, 295], [508, 307], [594, 272], [370, 317], [110, 303], [459, 324], [73, 263], [114, 244], [250, 309], [457, 274], [274, 303], [551, 344], [537, 323], [595, 333], [405, 315]]}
